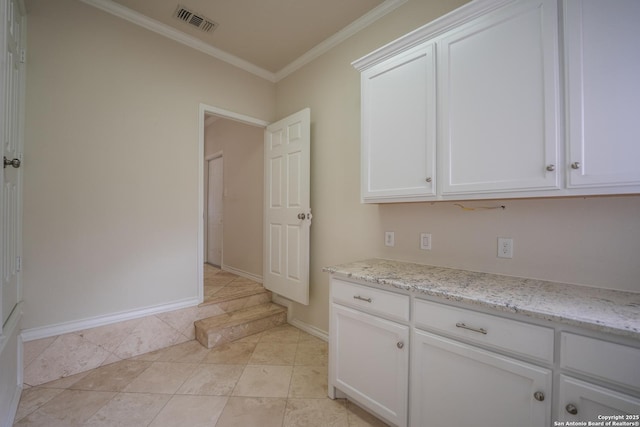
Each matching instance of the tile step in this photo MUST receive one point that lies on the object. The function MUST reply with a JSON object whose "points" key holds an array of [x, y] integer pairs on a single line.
{"points": [[239, 299], [231, 326]]}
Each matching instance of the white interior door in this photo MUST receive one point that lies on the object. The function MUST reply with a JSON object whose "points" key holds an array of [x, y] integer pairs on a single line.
{"points": [[11, 122], [214, 211], [287, 210]]}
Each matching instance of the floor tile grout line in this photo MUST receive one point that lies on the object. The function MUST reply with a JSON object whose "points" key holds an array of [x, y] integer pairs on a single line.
{"points": [[265, 338]]}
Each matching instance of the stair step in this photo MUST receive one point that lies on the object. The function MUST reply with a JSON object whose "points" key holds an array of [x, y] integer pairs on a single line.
{"points": [[224, 328], [232, 299]]}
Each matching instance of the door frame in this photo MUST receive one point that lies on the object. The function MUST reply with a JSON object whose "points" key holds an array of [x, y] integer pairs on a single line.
{"points": [[207, 193], [225, 114]]}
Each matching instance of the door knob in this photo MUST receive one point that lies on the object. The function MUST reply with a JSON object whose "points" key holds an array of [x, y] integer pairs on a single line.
{"points": [[571, 408], [301, 216], [15, 162]]}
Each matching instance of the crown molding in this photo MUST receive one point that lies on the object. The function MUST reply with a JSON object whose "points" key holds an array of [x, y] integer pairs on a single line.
{"points": [[158, 27], [365, 20]]}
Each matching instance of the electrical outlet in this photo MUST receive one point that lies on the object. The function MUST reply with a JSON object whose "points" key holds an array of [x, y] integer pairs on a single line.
{"points": [[505, 247], [389, 238], [425, 241]]}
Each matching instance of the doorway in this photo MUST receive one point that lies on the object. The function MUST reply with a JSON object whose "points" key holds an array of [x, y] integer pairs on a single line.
{"points": [[266, 192], [239, 178]]}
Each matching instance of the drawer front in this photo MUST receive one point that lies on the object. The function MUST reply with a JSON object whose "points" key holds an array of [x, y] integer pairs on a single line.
{"points": [[504, 334], [600, 359], [369, 299]]}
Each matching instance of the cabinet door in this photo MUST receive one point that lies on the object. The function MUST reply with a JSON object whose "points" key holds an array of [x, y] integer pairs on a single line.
{"points": [[455, 384], [498, 101], [370, 362], [603, 93], [398, 127], [582, 401]]}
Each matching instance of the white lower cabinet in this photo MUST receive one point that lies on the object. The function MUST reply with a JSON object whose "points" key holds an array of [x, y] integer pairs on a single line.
{"points": [[587, 402], [453, 383], [613, 365], [472, 368], [369, 361]]}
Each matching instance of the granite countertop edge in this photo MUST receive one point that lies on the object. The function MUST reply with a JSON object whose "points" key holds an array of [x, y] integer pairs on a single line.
{"points": [[604, 310]]}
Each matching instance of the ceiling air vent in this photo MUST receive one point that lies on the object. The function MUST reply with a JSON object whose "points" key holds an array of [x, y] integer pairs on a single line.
{"points": [[195, 19]]}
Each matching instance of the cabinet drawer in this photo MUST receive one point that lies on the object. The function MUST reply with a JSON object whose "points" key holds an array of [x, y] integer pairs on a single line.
{"points": [[505, 334], [600, 359], [373, 300]]}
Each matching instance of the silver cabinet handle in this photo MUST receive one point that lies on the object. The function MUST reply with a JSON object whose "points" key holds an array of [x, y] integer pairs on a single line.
{"points": [[572, 409], [478, 330], [539, 396], [361, 298], [575, 165], [400, 344], [551, 168]]}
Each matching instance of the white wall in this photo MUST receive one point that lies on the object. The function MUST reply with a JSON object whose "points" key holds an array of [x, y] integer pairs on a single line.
{"points": [[586, 241], [111, 161]]}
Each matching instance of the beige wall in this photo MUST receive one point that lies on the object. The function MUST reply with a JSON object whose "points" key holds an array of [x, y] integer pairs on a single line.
{"points": [[110, 199], [587, 241], [242, 148], [111, 161]]}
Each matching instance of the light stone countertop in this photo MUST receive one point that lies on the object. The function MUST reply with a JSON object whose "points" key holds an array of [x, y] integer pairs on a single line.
{"points": [[604, 310]]}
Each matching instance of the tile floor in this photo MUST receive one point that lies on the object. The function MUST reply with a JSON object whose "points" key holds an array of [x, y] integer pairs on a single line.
{"points": [[275, 378], [220, 285]]}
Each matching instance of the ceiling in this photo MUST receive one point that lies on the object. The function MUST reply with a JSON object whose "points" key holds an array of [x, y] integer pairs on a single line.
{"points": [[267, 37]]}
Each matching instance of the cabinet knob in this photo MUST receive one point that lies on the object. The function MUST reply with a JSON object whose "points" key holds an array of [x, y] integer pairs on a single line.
{"points": [[572, 409], [400, 344], [539, 396], [15, 162], [551, 168], [428, 179], [575, 165]]}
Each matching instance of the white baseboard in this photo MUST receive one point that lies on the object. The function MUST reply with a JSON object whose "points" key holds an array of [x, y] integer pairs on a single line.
{"points": [[242, 273], [93, 322], [310, 329]]}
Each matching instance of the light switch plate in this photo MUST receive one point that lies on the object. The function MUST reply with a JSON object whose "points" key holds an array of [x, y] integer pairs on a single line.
{"points": [[389, 238], [425, 241]]}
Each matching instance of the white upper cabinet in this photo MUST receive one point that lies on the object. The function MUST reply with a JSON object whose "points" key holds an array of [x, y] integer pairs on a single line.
{"points": [[398, 125], [603, 94], [473, 106], [498, 101]]}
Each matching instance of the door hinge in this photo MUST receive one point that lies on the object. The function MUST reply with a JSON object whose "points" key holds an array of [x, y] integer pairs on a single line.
{"points": [[23, 56], [18, 264]]}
